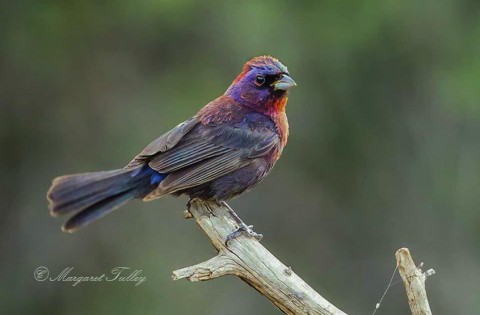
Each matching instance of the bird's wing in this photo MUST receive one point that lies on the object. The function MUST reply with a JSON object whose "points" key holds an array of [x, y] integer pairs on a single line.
{"points": [[164, 143], [204, 171], [209, 152], [194, 148]]}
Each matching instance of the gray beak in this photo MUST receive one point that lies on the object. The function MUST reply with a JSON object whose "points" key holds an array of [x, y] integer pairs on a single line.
{"points": [[284, 83]]}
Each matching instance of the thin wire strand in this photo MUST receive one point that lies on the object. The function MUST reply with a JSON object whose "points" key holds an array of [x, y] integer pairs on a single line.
{"points": [[377, 306]]}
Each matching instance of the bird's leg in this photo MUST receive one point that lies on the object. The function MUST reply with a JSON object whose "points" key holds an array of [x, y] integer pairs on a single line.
{"points": [[243, 229], [187, 213], [189, 203]]}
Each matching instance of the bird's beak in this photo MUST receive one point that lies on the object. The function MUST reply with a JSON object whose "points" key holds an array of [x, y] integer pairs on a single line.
{"points": [[284, 83]]}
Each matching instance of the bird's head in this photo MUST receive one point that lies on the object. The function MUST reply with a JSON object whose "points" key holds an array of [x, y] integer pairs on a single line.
{"points": [[263, 85]]}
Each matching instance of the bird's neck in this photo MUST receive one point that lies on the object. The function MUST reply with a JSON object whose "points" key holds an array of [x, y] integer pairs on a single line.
{"points": [[272, 105], [268, 103], [225, 108]]}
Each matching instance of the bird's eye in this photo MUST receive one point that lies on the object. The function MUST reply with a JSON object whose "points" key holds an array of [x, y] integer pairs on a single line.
{"points": [[259, 80]]}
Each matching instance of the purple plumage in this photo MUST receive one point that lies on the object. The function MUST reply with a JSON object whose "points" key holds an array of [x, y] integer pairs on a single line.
{"points": [[226, 149]]}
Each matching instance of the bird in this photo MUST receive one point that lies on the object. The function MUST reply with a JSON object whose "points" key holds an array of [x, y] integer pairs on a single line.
{"points": [[224, 150]]}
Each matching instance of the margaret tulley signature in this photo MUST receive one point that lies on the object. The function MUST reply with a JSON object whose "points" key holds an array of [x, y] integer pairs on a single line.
{"points": [[117, 274]]}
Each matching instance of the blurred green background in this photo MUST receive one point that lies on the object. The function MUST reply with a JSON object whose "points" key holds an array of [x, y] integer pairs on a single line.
{"points": [[383, 151]]}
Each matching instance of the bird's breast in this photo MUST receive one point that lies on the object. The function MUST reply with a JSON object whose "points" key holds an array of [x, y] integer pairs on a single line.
{"points": [[281, 124]]}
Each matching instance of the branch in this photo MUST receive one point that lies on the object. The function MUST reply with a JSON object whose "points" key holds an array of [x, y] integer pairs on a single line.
{"points": [[247, 259], [414, 281]]}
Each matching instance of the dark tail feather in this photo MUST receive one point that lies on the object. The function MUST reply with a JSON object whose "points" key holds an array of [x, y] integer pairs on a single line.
{"points": [[98, 210], [94, 195]]}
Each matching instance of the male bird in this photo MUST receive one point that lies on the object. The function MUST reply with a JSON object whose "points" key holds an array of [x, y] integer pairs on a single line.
{"points": [[228, 147]]}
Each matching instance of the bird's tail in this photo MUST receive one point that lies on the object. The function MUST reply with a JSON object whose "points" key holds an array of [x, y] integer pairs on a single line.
{"points": [[94, 195]]}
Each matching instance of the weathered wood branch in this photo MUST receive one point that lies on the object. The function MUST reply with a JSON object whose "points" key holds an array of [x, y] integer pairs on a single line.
{"points": [[247, 259], [414, 281]]}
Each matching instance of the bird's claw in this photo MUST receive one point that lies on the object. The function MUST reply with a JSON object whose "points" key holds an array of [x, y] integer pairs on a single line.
{"points": [[245, 230], [189, 203]]}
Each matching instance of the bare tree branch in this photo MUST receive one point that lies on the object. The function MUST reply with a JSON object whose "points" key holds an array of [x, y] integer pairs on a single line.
{"points": [[414, 281], [247, 259]]}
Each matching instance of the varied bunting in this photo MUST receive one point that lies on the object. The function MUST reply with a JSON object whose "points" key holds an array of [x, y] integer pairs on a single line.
{"points": [[227, 148]]}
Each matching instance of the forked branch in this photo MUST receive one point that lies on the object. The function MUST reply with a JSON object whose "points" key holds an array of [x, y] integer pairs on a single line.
{"points": [[247, 259]]}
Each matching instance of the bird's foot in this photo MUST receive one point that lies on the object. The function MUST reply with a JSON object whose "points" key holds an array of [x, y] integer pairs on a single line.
{"points": [[245, 230], [189, 203], [187, 213]]}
